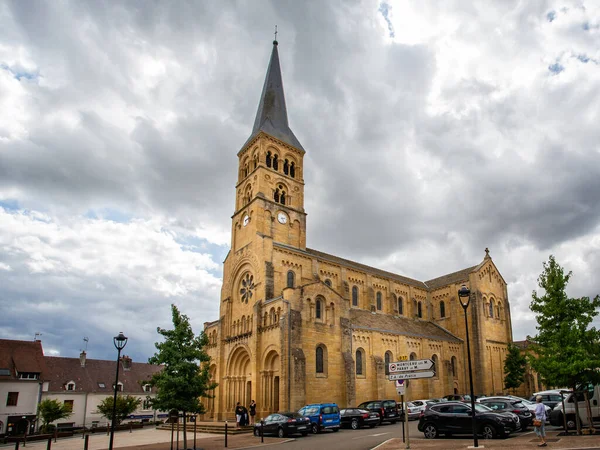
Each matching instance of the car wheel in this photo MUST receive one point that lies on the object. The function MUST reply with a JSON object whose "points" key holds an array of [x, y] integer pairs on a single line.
{"points": [[571, 423], [336, 430], [430, 431], [372, 425], [315, 428], [488, 431], [256, 432], [280, 433], [354, 424]]}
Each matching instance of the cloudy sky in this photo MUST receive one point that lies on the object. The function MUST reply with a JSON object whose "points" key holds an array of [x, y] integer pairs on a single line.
{"points": [[433, 130]]}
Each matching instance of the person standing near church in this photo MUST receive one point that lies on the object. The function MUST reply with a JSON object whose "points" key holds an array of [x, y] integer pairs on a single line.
{"points": [[252, 411], [239, 412]]}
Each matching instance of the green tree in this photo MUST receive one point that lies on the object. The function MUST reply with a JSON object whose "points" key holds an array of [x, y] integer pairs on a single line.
{"points": [[50, 410], [566, 350], [126, 404], [185, 376], [514, 368]]}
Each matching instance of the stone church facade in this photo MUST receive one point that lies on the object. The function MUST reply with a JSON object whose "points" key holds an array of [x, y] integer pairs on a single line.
{"points": [[298, 326]]}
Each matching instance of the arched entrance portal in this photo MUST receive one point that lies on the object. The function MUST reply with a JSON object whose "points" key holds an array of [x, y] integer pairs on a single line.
{"points": [[270, 382], [238, 378]]}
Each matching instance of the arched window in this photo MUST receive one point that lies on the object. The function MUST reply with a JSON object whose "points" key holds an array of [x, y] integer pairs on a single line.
{"points": [[412, 356], [387, 359], [354, 296], [419, 310], [269, 159], [400, 306], [442, 309], [436, 367], [70, 386], [276, 196], [282, 198], [292, 170], [491, 308], [290, 279], [379, 302], [286, 167], [328, 282], [454, 367], [318, 309], [360, 362], [319, 359], [275, 163]]}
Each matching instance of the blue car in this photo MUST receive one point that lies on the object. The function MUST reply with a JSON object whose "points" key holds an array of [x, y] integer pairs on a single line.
{"points": [[323, 416]]}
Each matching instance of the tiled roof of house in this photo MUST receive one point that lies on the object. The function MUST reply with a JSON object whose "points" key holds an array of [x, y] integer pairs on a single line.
{"points": [[20, 356], [96, 376], [454, 277], [361, 319], [522, 344]]}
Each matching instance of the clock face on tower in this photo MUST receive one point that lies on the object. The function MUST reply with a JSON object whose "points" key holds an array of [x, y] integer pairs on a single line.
{"points": [[246, 219], [281, 217]]}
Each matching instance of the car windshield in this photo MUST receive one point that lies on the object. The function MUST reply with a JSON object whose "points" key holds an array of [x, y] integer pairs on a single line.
{"points": [[482, 408]]}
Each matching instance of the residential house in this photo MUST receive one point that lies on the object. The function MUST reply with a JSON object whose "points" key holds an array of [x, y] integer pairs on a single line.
{"points": [[22, 368]]}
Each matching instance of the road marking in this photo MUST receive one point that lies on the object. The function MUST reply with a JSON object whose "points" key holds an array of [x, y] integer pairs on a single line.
{"points": [[370, 435]]}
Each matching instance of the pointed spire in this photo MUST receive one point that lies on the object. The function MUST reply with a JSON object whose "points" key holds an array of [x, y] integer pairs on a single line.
{"points": [[271, 116]]}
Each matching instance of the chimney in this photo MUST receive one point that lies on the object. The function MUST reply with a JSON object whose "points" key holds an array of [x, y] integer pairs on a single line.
{"points": [[82, 358], [126, 360]]}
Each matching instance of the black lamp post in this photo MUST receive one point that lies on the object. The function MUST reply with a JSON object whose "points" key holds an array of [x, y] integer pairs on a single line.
{"points": [[120, 341], [465, 293]]}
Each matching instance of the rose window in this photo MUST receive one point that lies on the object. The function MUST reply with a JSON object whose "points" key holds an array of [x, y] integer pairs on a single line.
{"points": [[247, 288]]}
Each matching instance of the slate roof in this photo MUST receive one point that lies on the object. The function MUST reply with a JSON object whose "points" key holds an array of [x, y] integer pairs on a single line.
{"points": [[365, 268], [461, 275], [361, 319], [21, 356], [271, 116], [88, 379]]}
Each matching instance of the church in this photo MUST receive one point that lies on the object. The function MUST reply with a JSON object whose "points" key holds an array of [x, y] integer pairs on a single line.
{"points": [[298, 325]]}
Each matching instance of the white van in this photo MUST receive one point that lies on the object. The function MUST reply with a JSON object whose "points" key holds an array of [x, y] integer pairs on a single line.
{"points": [[593, 392]]}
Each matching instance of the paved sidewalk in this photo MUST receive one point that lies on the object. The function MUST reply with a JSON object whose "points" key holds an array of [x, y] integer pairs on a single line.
{"points": [[150, 439], [521, 441]]}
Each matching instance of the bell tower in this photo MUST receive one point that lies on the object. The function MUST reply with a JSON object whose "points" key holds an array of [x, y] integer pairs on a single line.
{"points": [[270, 186]]}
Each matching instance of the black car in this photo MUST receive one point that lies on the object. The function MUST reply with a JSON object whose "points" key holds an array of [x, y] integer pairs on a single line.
{"points": [[455, 418], [283, 424], [513, 406], [357, 418], [387, 410]]}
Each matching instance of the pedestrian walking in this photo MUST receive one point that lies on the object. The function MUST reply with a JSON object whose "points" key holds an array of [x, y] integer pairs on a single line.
{"points": [[540, 421]]}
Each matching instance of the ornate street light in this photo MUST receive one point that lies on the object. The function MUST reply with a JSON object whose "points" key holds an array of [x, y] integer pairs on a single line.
{"points": [[120, 341], [465, 293]]}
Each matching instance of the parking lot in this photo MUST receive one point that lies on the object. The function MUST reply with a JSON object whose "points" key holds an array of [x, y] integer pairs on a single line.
{"points": [[383, 437]]}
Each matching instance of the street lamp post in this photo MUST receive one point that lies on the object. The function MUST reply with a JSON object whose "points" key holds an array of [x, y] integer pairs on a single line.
{"points": [[120, 341], [465, 293]]}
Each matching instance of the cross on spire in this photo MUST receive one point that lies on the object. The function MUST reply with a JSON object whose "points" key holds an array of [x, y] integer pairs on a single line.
{"points": [[275, 33]]}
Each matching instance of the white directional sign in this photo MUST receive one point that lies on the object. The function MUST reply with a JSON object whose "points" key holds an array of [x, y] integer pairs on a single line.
{"points": [[409, 366], [412, 375]]}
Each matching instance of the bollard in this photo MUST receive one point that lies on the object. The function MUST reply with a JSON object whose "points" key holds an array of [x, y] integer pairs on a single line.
{"points": [[130, 426], [49, 444], [17, 445], [86, 442], [262, 431], [225, 435], [55, 434]]}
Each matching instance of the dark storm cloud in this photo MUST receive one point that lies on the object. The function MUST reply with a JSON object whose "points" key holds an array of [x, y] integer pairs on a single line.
{"points": [[422, 150]]}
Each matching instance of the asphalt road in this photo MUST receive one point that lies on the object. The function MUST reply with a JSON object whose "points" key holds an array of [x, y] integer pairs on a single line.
{"points": [[362, 439]]}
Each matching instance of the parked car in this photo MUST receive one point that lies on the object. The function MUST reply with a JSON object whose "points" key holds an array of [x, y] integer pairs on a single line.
{"points": [[283, 424], [455, 418], [387, 410], [510, 405], [550, 398], [323, 416], [593, 394], [457, 398], [356, 418], [529, 404], [414, 411]]}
